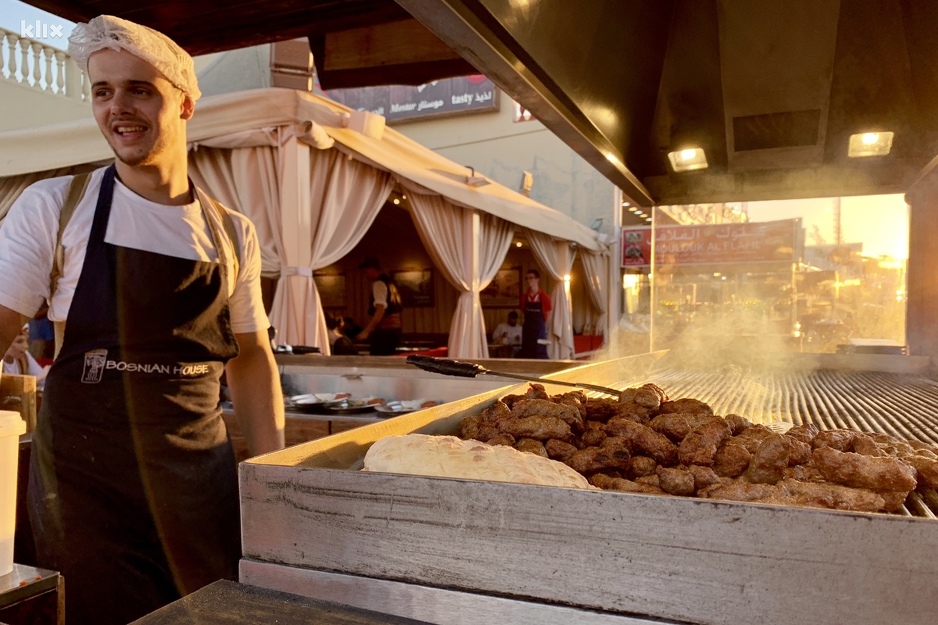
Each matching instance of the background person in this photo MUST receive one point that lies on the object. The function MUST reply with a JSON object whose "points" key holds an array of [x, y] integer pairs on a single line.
{"points": [[536, 306], [133, 489], [384, 328], [509, 334], [18, 360], [340, 344]]}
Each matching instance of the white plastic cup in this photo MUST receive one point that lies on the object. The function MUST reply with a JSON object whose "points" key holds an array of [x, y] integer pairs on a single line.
{"points": [[11, 426]]}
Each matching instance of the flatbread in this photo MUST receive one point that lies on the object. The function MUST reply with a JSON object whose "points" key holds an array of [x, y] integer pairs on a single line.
{"points": [[449, 456]]}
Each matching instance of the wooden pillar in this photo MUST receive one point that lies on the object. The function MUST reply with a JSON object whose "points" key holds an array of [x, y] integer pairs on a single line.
{"points": [[922, 302]]}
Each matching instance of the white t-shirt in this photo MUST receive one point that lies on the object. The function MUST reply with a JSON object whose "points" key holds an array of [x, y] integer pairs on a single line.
{"points": [[379, 291], [28, 234], [504, 331]]}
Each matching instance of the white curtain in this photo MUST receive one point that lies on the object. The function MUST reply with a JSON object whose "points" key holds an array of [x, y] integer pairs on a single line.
{"points": [[596, 275], [299, 229], [557, 258], [245, 180], [345, 197], [469, 247]]}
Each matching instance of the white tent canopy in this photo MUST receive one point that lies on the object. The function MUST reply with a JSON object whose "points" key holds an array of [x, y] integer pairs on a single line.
{"points": [[313, 188]]}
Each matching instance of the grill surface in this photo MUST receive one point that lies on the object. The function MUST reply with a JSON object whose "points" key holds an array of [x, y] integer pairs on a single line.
{"points": [[902, 405]]}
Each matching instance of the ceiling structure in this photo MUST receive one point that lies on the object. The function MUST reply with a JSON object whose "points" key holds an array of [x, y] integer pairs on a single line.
{"points": [[771, 91]]}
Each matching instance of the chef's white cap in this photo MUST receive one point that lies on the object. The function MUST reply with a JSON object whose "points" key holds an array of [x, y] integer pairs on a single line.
{"points": [[107, 31]]}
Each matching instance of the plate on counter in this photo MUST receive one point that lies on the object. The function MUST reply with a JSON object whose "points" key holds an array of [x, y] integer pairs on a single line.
{"points": [[354, 405], [404, 406], [315, 403]]}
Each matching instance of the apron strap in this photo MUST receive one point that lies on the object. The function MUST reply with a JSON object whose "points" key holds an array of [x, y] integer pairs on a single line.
{"points": [[76, 190], [206, 201]]}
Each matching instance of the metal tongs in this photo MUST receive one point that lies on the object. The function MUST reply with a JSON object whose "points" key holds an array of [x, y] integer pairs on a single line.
{"points": [[446, 366]]}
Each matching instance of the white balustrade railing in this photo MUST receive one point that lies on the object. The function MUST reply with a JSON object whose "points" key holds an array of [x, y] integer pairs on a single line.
{"points": [[35, 65]]}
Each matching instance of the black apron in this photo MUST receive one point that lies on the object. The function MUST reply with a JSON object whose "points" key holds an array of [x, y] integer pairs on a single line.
{"points": [[133, 487], [533, 330]]}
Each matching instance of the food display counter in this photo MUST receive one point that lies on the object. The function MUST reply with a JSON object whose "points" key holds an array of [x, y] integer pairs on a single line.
{"points": [[467, 551], [389, 379]]}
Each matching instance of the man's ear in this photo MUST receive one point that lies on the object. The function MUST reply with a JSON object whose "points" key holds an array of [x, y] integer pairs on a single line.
{"points": [[188, 108]]}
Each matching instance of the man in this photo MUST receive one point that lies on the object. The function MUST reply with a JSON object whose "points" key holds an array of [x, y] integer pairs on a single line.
{"points": [[384, 328], [536, 306], [133, 484], [508, 336]]}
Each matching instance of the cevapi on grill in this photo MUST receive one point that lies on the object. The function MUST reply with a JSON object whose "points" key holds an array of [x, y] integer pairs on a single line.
{"points": [[647, 443]]}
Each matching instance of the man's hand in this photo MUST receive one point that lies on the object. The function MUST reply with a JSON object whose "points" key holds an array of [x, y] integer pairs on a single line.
{"points": [[372, 323]]}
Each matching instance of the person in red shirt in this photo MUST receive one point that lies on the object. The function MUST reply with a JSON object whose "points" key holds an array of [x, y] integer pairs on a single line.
{"points": [[536, 306]]}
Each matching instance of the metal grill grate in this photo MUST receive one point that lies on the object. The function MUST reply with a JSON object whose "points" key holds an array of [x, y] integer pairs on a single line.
{"points": [[901, 405]]}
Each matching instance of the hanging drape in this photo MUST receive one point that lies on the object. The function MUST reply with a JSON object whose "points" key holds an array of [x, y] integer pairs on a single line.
{"points": [[468, 247], [596, 276], [247, 181], [345, 197], [557, 259], [310, 208]]}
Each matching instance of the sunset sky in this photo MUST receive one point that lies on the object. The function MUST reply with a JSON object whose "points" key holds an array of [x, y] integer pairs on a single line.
{"points": [[880, 222]]}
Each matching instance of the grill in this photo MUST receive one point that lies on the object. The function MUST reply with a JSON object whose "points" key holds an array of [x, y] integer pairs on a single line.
{"points": [[901, 405]]}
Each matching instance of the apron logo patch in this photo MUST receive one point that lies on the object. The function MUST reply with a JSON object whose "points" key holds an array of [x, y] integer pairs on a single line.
{"points": [[95, 361]]}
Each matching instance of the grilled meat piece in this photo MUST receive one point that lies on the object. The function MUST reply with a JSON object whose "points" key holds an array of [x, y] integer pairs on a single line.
{"points": [[752, 437], [546, 408], [540, 428], [496, 412], [559, 450], [800, 452], [731, 459], [701, 444], [531, 446], [592, 437], [686, 405], [486, 432], [704, 476], [802, 473], [645, 441], [737, 423], [627, 486], [804, 433], [600, 409], [469, 427], [841, 440], [649, 480], [576, 399], [677, 425], [640, 466], [509, 400], [676, 481], [502, 438], [926, 469], [833, 496], [536, 391], [593, 459], [739, 490], [873, 472], [770, 459]]}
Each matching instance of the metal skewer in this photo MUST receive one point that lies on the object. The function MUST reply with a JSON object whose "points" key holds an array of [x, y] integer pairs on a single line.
{"points": [[445, 366]]}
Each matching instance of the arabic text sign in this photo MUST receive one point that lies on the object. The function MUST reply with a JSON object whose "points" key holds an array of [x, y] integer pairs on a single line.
{"points": [[711, 244]]}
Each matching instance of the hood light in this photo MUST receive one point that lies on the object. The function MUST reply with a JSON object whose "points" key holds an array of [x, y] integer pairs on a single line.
{"points": [[688, 159], [870, 144]]}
